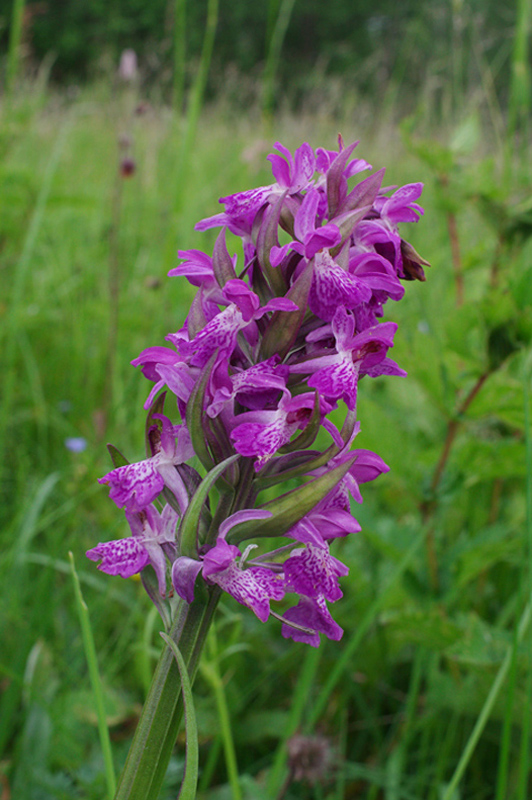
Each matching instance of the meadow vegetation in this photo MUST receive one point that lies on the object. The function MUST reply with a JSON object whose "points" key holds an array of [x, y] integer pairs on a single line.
{"points": [[428, 694]]}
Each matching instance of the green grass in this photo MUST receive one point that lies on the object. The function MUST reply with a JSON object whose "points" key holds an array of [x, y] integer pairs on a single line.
{"points": [[439, 576]]}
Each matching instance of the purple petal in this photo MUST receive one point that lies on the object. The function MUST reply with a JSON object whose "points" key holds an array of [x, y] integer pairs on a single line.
{"points": [[324, 237], [124, 557], [184, 573], [236, 291], [278, 253], [305, 221], [313, 614], [337, 381], [332, 287], [219, 558], [280, 169], [304, 167], [313, 572], [134, 486], [253, 587], [242, 516]]}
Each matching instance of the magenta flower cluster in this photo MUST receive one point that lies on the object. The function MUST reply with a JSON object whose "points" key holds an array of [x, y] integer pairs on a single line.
{"points": [[269, 350]]}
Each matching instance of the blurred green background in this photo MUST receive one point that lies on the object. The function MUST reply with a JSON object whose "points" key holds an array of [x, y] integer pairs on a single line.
{"points": [[428, 696]]}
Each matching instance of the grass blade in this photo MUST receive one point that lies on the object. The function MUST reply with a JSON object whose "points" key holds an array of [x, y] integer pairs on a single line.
{"points": [[210, 671], [190, 779], [92, 662], [488, 706], [524, 760]]}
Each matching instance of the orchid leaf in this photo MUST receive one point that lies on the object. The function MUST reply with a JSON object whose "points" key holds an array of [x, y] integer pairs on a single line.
{"points": [[364, 193], [284, 326], [196, 319], [190, 778], [289, 508], [196, 416], [267, 238], [190, 522], [156, 408], [118, 458], [222, 265], [334, 179]]}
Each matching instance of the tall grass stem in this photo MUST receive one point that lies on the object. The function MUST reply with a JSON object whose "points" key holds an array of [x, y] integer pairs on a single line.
{"points": [[97, 691], [484, 715], [211, 672], [519, 103], [180, 31], [524, 758], [15, 39], [273, 57]]}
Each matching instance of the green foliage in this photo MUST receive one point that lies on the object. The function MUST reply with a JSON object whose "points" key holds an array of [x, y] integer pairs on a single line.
{"points": [[372, 43], [439, 575]]}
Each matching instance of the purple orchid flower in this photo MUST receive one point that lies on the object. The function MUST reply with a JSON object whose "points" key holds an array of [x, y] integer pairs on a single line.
{"points": [[151, 531], [313, 572], [336, 375], [292, 175], [135, 486], [254, 387], [223, 564], [220, 334], [310, 238], [262, 433], [312, 614]]}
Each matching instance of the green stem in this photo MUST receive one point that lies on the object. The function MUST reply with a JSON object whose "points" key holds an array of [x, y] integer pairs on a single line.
{"points": [[487, 708], [211, 672], [274, 54], [92, 661], [15, 37], [156, 733], [180, 28]]}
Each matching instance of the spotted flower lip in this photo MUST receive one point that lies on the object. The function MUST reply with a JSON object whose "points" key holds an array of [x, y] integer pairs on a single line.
{"points": [[127, 557], [135, 486], [271, 350]]}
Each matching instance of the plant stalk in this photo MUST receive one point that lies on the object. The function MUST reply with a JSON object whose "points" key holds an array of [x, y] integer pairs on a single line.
{"points": [[158, 726]]}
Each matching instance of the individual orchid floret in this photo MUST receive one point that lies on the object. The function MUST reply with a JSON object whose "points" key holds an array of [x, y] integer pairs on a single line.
{"points": [[220, 334], [310, 237], [400, 207], [255, 387], [262, 433], [223, 565], [252, 586], [135, 486], [151, 532], [312, 617], [336, 375], [292, 176]]}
